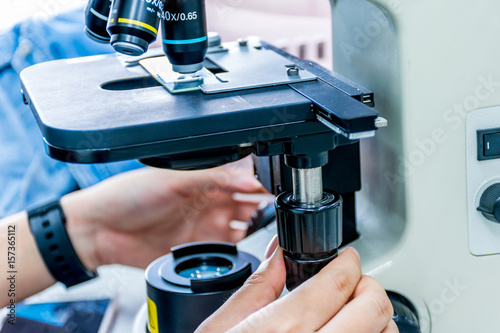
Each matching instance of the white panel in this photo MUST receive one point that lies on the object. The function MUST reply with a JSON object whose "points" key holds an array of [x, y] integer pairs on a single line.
{"points": [[484, 235]]}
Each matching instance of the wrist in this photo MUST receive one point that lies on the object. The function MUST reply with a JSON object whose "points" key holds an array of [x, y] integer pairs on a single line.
{"points": [[81, 230]]}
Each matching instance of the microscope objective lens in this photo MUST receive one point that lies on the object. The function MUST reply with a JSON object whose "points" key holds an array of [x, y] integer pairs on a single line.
{"points": [[184, 31], [96, 19], [133, 25]]}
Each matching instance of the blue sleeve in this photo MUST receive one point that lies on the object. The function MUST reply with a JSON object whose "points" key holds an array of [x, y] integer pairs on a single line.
{"points": [[27, 175]]}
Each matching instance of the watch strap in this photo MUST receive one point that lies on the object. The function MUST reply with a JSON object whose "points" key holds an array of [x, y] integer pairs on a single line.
{"points": [[47, 225]]}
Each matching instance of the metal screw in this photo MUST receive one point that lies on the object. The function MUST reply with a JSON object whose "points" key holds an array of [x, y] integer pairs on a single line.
{"points": [[292, 71]]}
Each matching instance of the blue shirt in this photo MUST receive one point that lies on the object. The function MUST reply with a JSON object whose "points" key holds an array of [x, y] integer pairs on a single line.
{"points": [[27, 175]]}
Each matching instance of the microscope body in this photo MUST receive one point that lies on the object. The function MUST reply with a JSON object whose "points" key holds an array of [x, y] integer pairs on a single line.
{"points": [[434, 67]]}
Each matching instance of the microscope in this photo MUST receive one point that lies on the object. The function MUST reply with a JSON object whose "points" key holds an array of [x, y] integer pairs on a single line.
{"points": [[226, 101], [425, 223]]}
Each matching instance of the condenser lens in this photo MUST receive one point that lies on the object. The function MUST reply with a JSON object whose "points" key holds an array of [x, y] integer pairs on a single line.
{"points": [[204, 272], [204, 268]]}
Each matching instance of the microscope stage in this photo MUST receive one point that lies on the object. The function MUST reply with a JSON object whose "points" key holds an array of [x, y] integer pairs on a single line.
{"points": [[96, 109]]}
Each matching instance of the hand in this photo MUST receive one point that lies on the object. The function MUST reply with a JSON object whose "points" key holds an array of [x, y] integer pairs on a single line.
{"points": [[136, 217], [338, 299]]}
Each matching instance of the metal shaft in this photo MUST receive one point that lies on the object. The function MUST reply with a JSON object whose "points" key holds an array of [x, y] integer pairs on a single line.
{"points": [[307, 185]]}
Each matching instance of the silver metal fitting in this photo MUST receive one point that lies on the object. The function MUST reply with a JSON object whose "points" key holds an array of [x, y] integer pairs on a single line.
{"points": [[307, 185], [292, 71]]}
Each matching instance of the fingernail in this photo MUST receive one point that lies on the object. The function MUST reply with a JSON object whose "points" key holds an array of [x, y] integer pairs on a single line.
{"points": [[271, 247], [257, 198], [353, 250]]}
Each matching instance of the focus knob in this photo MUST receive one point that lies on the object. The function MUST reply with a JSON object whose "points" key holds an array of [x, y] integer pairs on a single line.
{"points": [[405, 315], [489, 204]]}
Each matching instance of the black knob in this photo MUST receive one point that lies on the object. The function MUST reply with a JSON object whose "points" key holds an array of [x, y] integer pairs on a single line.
{"points": [[405, 314], [310, 235], [489, 203]]}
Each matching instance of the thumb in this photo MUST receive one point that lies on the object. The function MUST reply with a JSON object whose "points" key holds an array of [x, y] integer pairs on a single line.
{"points": [[261, 288]]}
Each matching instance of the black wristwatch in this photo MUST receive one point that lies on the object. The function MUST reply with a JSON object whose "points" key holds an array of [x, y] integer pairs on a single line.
{"points": [[47, 225]]}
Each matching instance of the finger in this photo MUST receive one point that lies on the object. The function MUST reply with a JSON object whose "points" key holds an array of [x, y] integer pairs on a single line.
{"points": [[208, 181], [218, 226], [243, 211], [317, 299], [245, 164], [224, 179], [244, 183], [369, 302], [271, 247], [262, 288], [391, 328], [237, 232]]}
